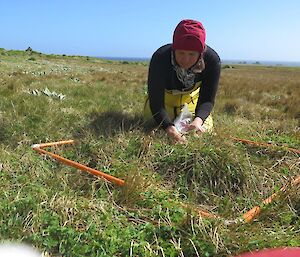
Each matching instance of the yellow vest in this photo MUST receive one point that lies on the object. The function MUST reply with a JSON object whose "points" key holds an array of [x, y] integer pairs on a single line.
{"points": [[174, 102]]}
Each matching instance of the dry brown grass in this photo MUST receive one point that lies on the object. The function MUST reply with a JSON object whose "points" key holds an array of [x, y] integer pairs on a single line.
{"points": [[261, 91]]}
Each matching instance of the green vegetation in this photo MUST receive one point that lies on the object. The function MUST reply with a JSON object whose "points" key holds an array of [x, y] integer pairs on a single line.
{"points": [[66, 212]]}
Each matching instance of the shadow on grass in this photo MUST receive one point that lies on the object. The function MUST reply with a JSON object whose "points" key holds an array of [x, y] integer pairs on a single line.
{"points": [[3, 133], [112, 123]]}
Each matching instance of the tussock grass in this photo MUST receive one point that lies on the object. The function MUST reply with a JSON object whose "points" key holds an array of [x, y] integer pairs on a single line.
{"points": [[64, 211]]}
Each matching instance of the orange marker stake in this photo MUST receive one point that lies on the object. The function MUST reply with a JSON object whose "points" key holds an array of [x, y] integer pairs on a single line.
{"points": [[245, 141], [65, 142], [205, 214], [251, 214], [77, 165], [201, 213]]}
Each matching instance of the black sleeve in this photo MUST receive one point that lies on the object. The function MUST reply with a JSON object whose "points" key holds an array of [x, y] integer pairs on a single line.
{"points": [[156, 90], [209, 85]]}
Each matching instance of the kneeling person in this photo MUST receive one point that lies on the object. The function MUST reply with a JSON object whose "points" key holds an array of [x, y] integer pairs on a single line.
{"points": [[185, 72]]}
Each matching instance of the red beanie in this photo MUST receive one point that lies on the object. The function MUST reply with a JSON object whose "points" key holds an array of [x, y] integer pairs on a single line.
{"points": [[189, 35]]}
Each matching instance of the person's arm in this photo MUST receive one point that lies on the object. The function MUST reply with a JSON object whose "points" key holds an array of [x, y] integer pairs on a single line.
{"points": [[209, 87], [207, 92], [156, 92]]}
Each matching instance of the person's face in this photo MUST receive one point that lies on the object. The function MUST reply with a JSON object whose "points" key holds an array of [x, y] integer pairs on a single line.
{"points": [[186, 59]]}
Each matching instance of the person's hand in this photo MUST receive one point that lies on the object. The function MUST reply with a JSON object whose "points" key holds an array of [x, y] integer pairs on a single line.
{"points": [[177, 137], [196, 125]]}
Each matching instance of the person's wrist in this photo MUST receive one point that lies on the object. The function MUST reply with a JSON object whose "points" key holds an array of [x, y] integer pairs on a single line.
{"points": [[171, 129], [199, 121], [176, 136]]}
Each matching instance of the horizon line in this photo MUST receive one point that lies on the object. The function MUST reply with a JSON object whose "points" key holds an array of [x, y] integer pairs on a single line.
{"points": [[149, 58], [226, 60]]}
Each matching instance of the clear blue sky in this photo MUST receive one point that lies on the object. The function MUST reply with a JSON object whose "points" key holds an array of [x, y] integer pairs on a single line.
{"points": [[245, 30]]}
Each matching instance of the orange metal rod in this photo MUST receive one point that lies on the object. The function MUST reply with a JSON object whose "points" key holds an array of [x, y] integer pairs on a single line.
{"points": [[251, 214], [79, 166], [205, 214], [201, 213], [263, 144], [64, 142]]}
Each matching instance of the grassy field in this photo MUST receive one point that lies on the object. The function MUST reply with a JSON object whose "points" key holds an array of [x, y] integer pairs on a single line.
{"points": [[66, 212]]}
